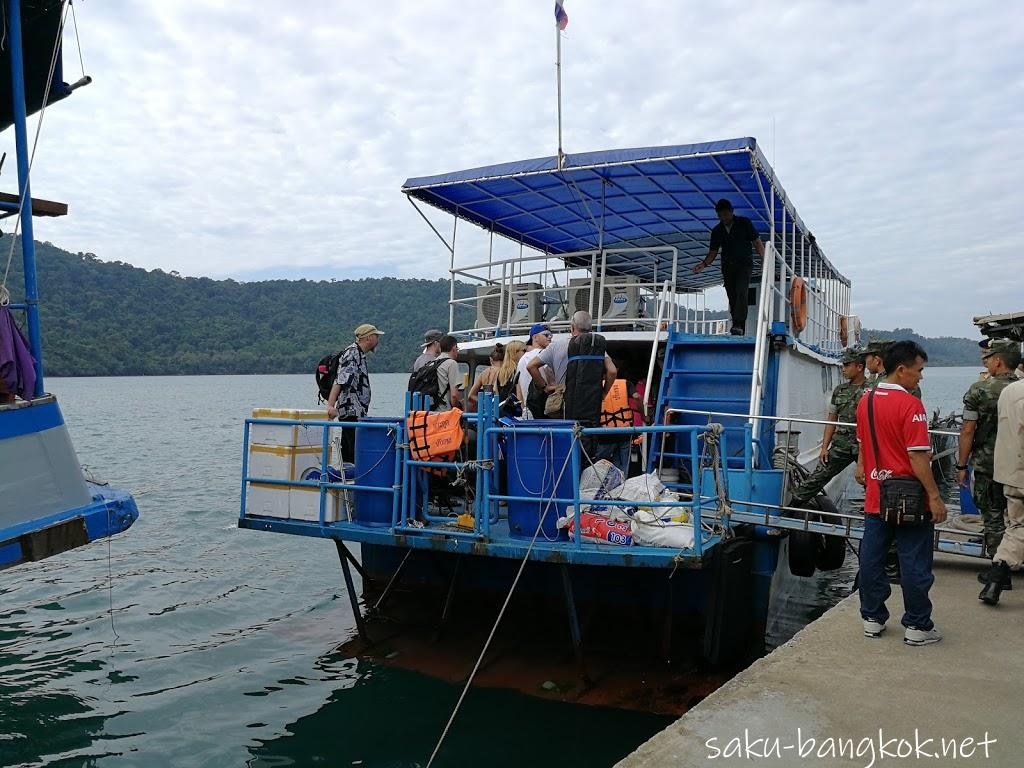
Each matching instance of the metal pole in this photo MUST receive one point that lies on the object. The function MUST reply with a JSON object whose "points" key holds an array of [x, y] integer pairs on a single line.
{"points": [[28, 248], [451, 277], [353, 598], [558, 78]]}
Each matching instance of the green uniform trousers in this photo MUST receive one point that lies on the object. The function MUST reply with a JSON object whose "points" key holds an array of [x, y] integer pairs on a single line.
{"points": [[839, 458]]}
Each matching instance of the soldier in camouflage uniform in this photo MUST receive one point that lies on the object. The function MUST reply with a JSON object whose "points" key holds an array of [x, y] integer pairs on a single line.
{"points": [[839, 444], [875, 365], [978, 436]]}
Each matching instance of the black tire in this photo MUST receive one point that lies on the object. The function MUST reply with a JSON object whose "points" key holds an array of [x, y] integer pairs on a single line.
{"points": [[803, 553], [831, 549]]}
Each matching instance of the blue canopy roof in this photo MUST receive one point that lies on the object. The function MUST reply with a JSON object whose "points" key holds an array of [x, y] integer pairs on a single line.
{"points": [[625, 198]]}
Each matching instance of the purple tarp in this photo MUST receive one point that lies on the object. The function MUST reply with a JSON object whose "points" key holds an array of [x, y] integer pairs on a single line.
{"points": [[17, 366]]}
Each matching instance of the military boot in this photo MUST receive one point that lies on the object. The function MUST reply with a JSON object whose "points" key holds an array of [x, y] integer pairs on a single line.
{"points": [[997, 574], [1007, 583]]}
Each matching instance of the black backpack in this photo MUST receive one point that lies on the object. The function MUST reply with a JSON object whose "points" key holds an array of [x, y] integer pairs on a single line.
{"points": [[508, 397], [425, 381], [326, 374]]}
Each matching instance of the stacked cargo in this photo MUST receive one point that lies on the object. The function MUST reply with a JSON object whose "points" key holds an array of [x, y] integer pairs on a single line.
{"points": [[289, 452]]}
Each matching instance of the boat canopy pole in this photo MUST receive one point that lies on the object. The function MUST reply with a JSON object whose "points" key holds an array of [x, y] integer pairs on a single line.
{"points": [[558, 79], [28, 250]]}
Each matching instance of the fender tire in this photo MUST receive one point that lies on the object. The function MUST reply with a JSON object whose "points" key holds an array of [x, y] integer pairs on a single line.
{"points": [[803, 553], [831, 549]]}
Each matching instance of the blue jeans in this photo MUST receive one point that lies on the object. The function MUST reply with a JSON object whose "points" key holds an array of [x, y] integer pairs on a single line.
{"points": [[914, 547], [617, 453]]}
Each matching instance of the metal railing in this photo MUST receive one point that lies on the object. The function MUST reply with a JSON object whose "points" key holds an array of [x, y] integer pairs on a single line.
{"points": [[710, 508]]}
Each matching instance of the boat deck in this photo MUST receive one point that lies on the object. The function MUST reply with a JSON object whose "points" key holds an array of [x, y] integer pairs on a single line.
{"points": [[499, 543], [832, 683]]}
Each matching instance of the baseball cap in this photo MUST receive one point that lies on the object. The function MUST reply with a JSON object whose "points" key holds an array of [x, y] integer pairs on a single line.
{"points": [[431, 336], [366, 329], [537, 328], [852, 355]]}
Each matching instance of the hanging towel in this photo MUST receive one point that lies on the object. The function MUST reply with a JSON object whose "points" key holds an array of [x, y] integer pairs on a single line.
{"points": [[17, 366]]}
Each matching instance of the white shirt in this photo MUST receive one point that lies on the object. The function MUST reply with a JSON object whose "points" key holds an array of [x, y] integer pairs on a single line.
{"points": [[524, 375]]}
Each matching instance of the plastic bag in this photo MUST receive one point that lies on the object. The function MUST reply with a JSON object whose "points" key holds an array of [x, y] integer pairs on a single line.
{"points": [[669, 531], [598, 529], [640, 488], [598, 480]]}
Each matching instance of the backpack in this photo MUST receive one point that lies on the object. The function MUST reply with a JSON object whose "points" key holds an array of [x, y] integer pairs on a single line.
{"points": [[508, 397], [326, 374], [425, 381]]}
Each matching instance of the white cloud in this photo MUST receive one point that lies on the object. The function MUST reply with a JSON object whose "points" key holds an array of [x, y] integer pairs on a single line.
{"points": [[244, 140]]}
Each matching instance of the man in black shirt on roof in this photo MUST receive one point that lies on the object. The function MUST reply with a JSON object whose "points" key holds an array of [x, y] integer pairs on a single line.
{"points": [[735, 236]]}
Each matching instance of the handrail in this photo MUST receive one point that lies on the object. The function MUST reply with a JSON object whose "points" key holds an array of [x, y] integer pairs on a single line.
{"points": [[704, 504], [792, 419], [759, 369]]}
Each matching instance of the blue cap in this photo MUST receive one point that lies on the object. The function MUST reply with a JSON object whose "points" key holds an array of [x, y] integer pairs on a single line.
{"points": [[537, 328]]}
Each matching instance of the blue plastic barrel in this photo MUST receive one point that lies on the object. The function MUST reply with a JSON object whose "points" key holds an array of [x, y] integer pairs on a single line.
{"points": [[334, 474], [376, 454], [533, 464]]}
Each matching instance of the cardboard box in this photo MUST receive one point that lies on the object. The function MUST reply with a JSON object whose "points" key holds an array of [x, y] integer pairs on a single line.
{"points": [[275, 462], [287, 436], [304, 504], [267, 500]]}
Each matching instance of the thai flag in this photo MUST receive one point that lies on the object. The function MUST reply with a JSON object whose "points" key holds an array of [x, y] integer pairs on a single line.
{"points": [[561, 17]]}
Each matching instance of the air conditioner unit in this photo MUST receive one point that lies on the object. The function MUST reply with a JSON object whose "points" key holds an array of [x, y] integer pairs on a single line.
{"points": [[620, 302], [491, 310]]}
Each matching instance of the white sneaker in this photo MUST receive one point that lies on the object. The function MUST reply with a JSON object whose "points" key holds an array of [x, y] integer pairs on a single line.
{"points": [[873, 628], [915, 636]]}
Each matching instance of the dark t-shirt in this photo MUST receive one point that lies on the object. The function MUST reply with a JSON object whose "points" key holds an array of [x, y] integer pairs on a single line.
{"points": [[736, 242]]}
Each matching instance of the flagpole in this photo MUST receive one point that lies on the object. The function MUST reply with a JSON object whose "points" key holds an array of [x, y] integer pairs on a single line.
{"points": [[558, 79]]}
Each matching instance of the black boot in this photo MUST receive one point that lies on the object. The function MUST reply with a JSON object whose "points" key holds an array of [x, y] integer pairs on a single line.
{"points": [[1007, 582], [997, 574]]}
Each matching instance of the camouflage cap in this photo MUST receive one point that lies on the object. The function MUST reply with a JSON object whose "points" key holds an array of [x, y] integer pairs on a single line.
{"points": [[877, 347], [852, 355], [1010, 351], [999, 345]]}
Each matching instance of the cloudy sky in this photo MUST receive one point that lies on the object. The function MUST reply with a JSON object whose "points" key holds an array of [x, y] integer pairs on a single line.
{"points": [[269, 139]]}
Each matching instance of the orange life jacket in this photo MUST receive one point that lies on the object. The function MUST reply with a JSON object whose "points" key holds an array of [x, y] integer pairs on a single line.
{"points": [[615, 408], [435, 436]]}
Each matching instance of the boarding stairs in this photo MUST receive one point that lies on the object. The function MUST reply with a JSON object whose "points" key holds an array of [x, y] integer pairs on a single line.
{"points": [[707, 373]]}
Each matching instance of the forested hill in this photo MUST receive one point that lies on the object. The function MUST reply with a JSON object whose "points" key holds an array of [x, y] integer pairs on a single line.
{"points": [[113, 319]]}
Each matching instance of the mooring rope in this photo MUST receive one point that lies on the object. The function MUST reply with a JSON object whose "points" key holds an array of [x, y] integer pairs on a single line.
{"points": [[575, 438]]}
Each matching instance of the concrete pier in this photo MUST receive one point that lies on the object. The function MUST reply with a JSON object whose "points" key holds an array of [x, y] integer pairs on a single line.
{"points": [[832, 685]]}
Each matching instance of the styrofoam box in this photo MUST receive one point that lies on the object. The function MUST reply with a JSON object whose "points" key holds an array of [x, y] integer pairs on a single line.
{"points": [[267, 500], [274, 462], [304, 504], [287, 436]]}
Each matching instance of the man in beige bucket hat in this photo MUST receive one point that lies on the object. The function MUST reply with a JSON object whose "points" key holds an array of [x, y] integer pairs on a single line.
{"points": [[350, 396]]}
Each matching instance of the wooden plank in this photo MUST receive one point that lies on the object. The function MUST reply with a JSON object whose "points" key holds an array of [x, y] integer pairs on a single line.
{"points": [[40, 207]]}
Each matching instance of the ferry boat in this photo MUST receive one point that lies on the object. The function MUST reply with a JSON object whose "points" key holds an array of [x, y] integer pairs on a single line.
{"points": [[736, 417], [47, 505]]}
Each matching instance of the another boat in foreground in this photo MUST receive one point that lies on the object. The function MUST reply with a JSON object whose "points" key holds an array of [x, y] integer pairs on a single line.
{"points": [[47, 505]]}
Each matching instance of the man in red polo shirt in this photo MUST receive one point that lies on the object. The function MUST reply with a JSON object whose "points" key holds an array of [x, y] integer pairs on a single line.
{"points": [[901, 430]]}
